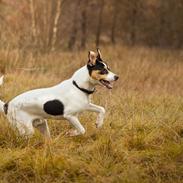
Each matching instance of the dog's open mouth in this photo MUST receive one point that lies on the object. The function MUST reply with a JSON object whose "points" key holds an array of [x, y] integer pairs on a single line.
{"points": [[106, 83]]}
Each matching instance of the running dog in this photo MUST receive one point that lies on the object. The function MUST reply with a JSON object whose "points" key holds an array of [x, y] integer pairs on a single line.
{"points": [[66, 100]]}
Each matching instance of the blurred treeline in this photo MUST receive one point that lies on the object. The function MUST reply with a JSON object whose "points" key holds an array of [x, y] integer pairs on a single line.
{"points": [[53, 24]]}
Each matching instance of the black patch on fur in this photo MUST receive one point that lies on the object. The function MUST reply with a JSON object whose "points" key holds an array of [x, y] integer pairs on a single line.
{"points": [[5, 108], [98, 66], [54, 107]]}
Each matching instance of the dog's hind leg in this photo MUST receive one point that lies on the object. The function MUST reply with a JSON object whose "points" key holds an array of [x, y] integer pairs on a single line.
{"points": [[25, 127], [22, 121], [42, 126], [25, 130]]}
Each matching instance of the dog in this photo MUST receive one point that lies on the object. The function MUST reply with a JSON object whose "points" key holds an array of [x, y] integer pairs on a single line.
{"points": [[31, 109]]}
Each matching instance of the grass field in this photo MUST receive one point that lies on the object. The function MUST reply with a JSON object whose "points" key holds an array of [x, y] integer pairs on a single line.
{"points": [[142, 137]]}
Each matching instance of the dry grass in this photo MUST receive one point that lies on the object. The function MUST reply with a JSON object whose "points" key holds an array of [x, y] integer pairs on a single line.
{"points": [[141, 141]]}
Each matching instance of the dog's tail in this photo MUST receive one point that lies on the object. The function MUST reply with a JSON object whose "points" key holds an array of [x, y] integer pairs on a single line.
{"points": [[1, 102]]}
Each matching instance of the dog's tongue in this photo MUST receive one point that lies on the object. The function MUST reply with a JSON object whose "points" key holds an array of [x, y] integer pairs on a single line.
{"points": [[107, 84]]}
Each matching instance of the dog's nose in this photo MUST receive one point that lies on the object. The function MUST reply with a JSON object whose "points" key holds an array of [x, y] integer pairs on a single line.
{"points": [[116, 77]]}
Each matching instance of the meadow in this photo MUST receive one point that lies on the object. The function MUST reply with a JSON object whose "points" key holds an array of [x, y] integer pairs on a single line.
{"points": [[142, 137]]}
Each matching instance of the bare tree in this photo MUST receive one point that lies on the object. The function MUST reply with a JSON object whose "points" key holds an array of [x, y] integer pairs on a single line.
{"points": [[99, 24], [33, 20], [52, 6], [133, 23], [83, 24], [55, 26], [114, 21], [74, 29]]}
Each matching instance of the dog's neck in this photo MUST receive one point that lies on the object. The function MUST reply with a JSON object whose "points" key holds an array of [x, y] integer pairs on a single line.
{"points": [[83, 79]]}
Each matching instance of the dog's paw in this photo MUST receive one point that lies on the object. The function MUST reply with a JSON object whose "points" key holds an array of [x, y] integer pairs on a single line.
{"points": [[72, 133], [98, 125]]}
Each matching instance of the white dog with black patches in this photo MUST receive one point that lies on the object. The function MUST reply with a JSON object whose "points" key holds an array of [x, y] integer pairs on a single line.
{"points": [[31, 109]]}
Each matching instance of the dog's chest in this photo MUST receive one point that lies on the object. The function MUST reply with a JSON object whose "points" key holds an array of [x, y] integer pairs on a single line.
{"points": [[75, 103]]}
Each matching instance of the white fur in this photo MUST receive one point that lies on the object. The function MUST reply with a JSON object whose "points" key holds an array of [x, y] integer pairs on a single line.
{"points": [[1, 102], [110, 76], [26, 110], [1, 79]]}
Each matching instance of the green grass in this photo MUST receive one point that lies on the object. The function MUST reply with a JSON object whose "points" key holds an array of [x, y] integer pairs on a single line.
{"points": [[140, 142]]}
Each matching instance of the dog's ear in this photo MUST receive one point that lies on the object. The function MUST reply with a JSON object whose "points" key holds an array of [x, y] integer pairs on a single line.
{"points": [[91, 58], [99, 55]]}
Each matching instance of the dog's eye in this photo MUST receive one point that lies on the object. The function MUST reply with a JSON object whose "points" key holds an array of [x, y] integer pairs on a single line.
{"points": [[104, 71]]}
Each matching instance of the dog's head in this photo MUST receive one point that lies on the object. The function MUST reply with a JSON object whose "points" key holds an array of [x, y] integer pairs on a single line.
{"points": [[99, 71]]}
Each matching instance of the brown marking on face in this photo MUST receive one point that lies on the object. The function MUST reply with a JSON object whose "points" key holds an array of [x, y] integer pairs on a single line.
{"points": [[95, 74]]}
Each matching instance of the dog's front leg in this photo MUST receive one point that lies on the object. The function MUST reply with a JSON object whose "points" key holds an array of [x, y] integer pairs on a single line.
{"points": [[101, 113], [75, 122]]}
